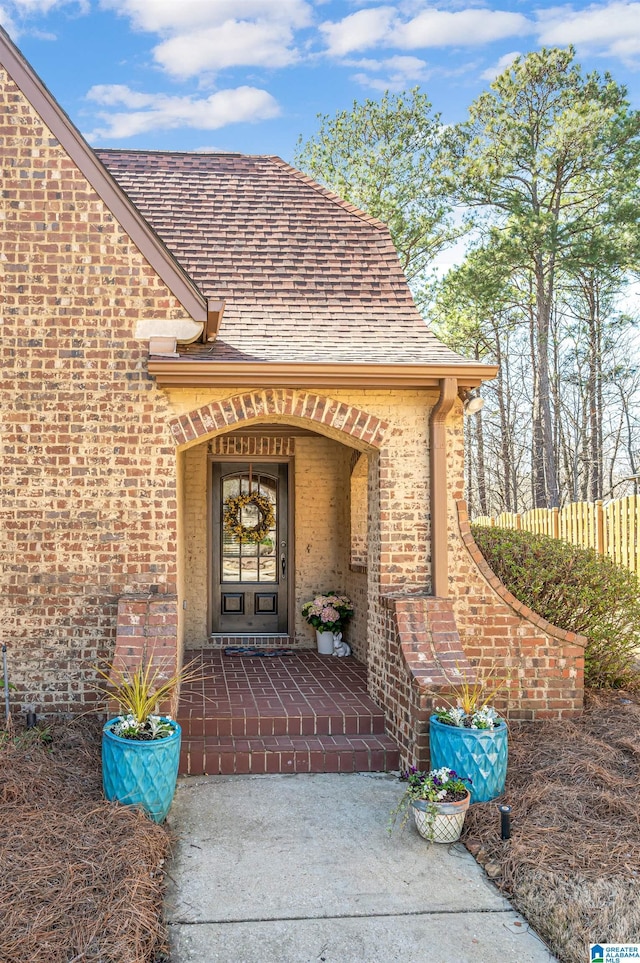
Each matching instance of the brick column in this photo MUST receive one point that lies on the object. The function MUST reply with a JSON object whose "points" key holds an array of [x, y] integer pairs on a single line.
{"points": [[147, 630], [425, 658]]}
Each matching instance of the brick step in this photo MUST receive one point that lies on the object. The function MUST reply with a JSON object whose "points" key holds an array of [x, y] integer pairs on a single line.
{"points": [[307, 713], [225, 755], [314, 722]]}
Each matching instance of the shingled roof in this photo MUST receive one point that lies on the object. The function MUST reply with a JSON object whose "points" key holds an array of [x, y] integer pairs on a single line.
{"points": [[307, 278]]}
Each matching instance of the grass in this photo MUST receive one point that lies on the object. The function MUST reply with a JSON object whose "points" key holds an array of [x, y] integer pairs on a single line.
{"points": [[572, 866]]}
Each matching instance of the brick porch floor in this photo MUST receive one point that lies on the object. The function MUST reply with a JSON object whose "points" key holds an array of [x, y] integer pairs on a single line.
{"points": [[297, 713]]}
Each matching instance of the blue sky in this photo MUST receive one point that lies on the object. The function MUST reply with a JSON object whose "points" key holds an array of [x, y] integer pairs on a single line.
{"points": [[251, 75]]}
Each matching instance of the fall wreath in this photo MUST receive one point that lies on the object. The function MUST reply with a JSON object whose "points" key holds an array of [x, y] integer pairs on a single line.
{"points": [[232, 513]]}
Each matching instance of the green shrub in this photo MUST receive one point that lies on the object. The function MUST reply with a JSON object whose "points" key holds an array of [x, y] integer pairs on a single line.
{"points": [[577, 590]]}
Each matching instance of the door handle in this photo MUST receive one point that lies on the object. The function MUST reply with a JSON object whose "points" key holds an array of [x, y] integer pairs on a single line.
{"points": [[283, 563]]}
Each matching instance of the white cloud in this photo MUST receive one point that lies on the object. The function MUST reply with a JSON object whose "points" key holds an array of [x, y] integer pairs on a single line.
{"points": [[358, 31], [410, 65], [471, 27], [500, 66], [147, 112], [176, 16], [627, 49], [430, 27], [13, 13], [610, 28], [231, 44], [114, 95], [396, 72], [8, 23], [209, 35]]}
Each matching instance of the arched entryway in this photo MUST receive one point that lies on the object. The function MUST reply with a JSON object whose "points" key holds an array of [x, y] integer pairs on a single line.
{"points": [[315, 459], [280, 405], [305, 449]]}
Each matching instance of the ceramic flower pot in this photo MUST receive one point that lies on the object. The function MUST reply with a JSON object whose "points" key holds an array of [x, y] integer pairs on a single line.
{"points": [[480, 754], [325, 642], [440, 822], [138, 773]]}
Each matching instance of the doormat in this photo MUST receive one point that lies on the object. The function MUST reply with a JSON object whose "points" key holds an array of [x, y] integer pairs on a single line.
{"points": [[263, 653]]}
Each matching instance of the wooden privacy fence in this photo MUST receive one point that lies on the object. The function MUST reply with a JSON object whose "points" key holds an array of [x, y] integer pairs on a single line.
{"points": [[611, 528]]}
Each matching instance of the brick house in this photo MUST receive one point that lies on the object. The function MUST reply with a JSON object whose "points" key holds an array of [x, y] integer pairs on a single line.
{"points": [[176, 326]]}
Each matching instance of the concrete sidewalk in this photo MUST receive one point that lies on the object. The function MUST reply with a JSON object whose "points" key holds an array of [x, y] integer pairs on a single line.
{"points": [[301, 869]]}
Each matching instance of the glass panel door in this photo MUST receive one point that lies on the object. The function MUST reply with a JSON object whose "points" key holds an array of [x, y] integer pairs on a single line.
{"points": [[250, 548]]}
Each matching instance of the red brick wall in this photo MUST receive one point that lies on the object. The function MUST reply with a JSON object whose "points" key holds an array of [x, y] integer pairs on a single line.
{"points": [[424, 656], [546, 663], [146, 636], [479, 630], [400, 694], [88, 463]]}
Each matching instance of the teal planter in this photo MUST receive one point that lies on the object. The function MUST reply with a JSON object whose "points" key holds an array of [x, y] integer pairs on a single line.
{"points": [[478, 753], [141, 774]]}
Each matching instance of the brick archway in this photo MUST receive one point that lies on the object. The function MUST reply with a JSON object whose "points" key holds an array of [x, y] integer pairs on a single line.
{"points": [[285, 405]]}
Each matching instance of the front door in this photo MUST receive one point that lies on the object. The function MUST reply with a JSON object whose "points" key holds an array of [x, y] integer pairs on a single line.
{"points": [[250, 541]]}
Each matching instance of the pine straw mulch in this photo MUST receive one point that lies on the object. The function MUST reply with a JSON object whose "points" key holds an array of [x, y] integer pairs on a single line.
{"points": [[572, 865], [81, 879]]}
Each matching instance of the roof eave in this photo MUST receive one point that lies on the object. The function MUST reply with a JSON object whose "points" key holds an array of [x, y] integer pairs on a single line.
{"points": [[196, 373], [123, 209]]}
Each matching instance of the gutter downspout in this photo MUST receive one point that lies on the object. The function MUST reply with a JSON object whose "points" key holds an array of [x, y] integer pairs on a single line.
{"points": [[438, 463]]}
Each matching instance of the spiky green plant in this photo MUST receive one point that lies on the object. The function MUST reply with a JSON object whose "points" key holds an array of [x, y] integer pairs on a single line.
{"points": [[472, 696], [139, 692]]}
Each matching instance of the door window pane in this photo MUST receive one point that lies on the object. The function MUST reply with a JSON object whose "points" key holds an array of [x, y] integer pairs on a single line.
{"points": [[249, 570], [250, 516], [230, 569], [268, 570], [230, 545], [230, 487], [247, 561], [268, 546]]}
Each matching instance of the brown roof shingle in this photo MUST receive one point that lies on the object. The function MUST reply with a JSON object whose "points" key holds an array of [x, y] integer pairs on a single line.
{"points": [[306, 277]]}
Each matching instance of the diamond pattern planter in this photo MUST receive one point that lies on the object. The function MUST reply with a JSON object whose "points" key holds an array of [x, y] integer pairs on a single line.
{"points": [[478, 753], [141, 773]]}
